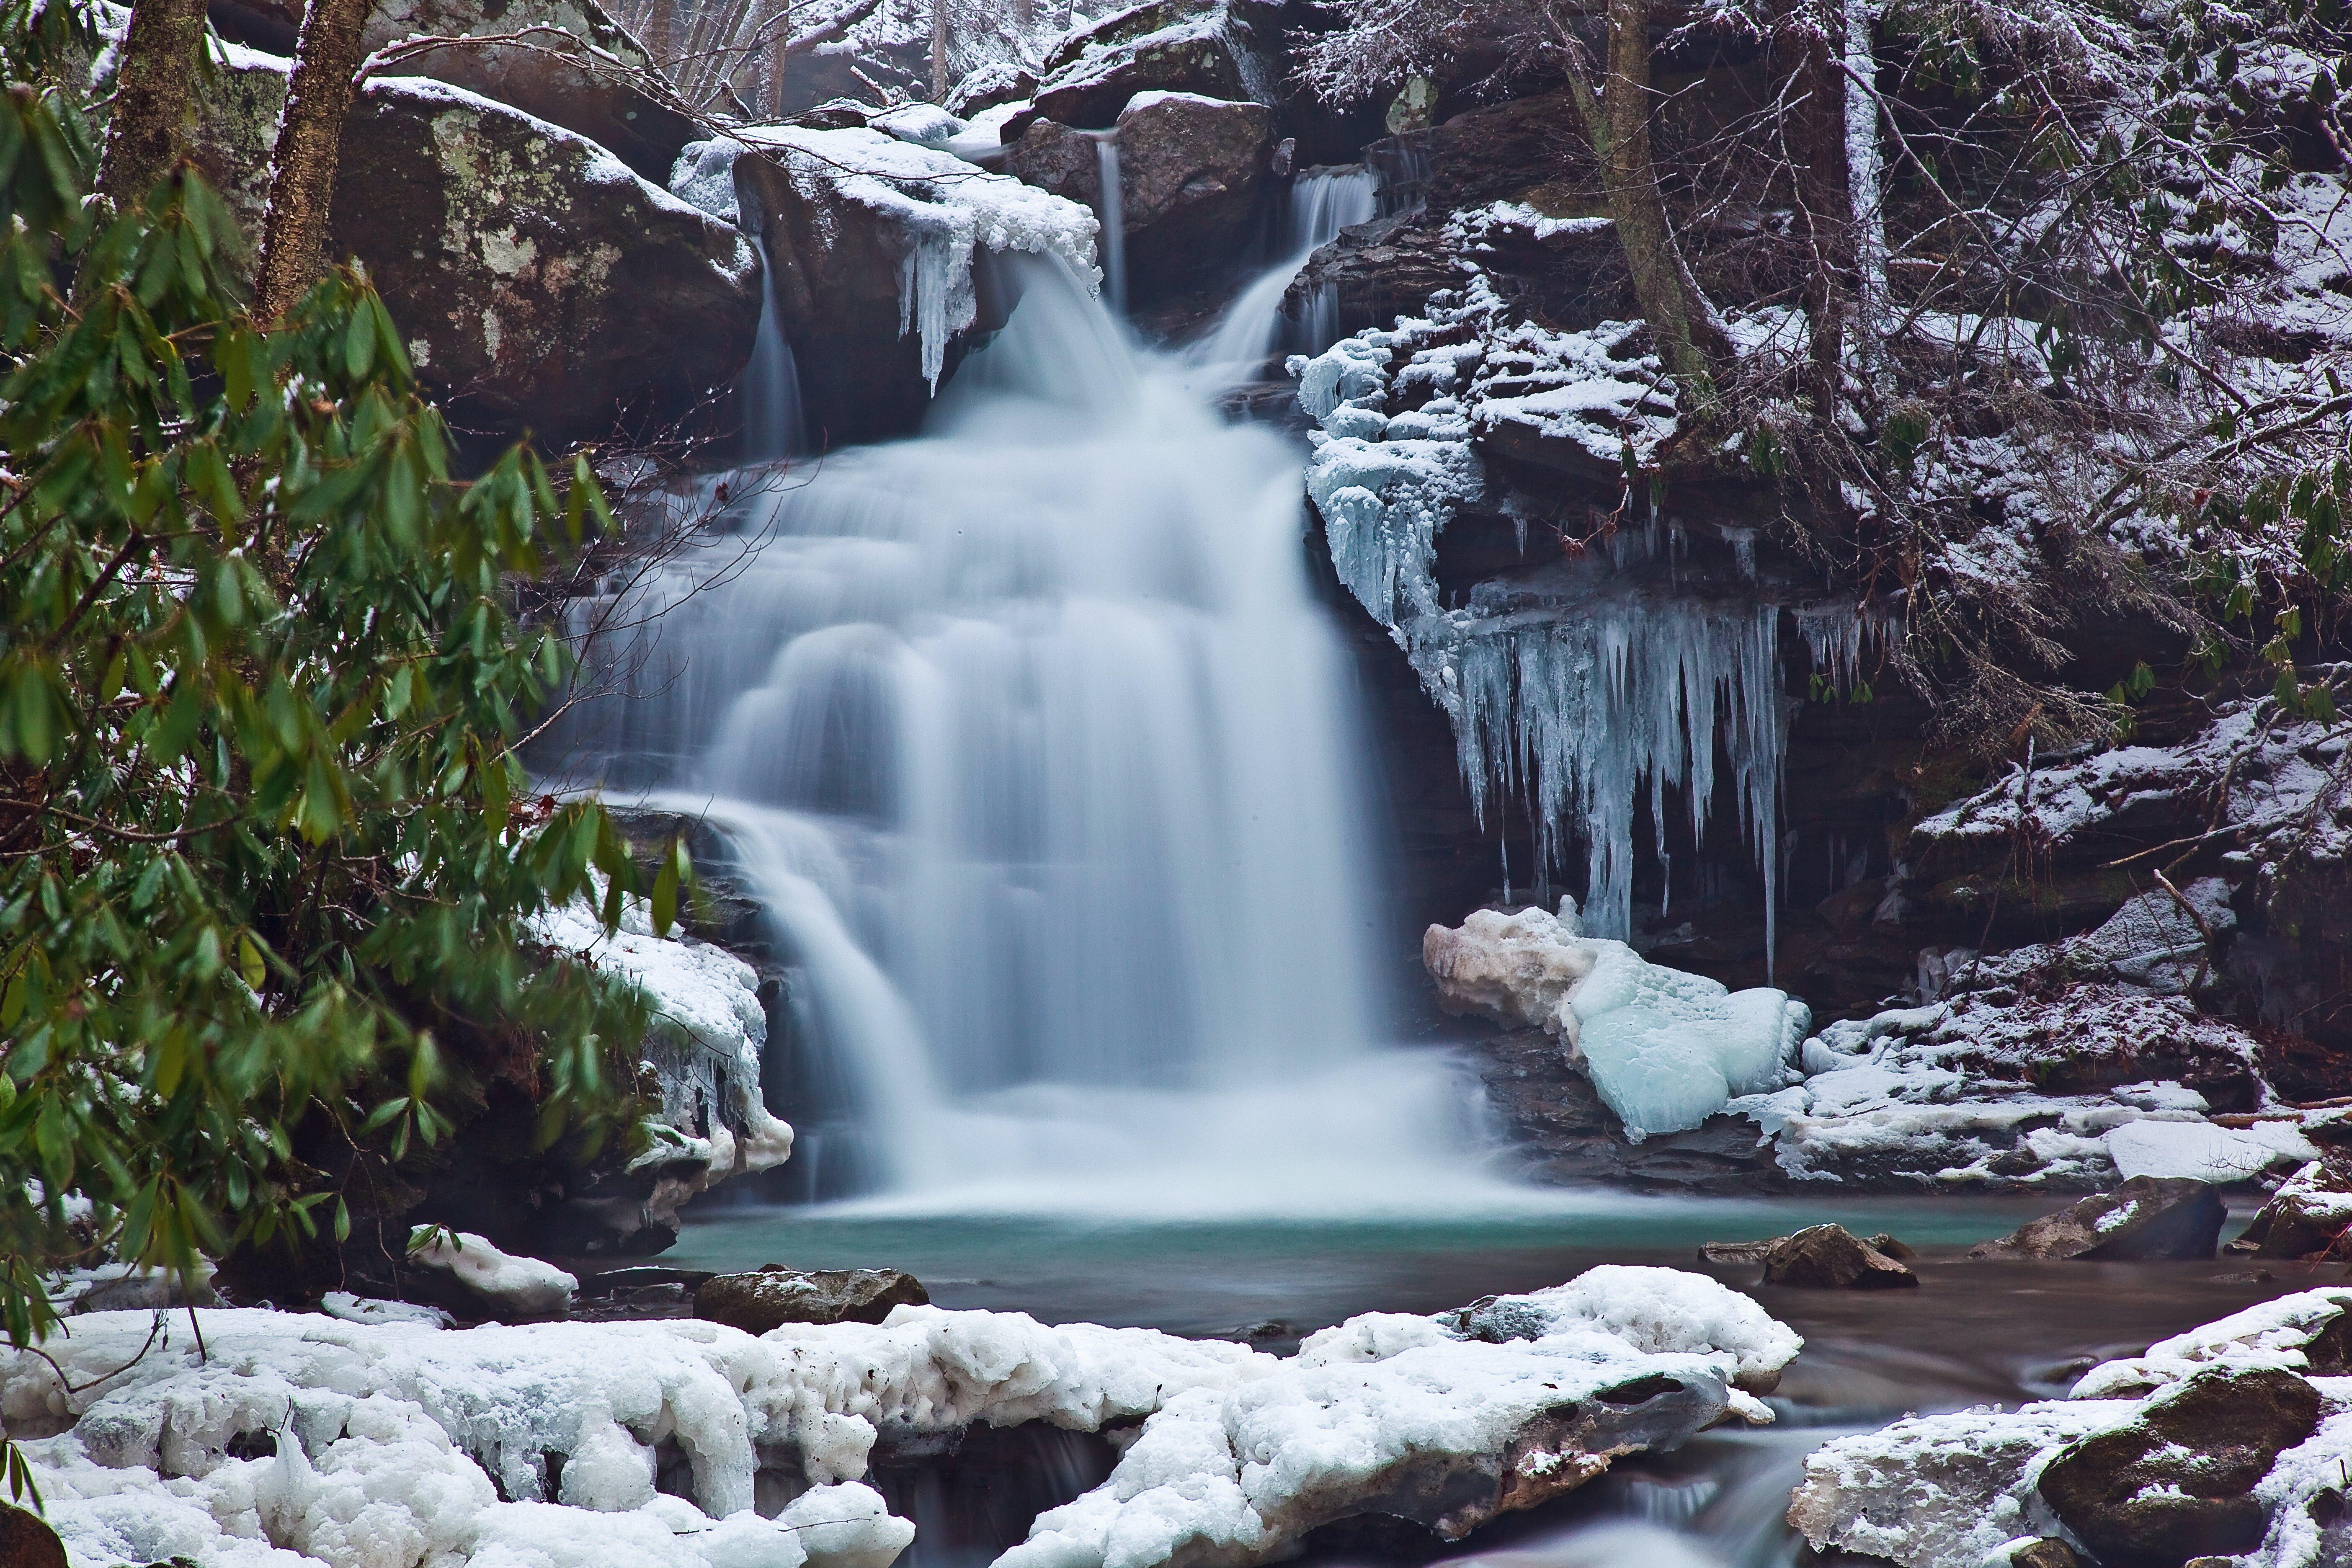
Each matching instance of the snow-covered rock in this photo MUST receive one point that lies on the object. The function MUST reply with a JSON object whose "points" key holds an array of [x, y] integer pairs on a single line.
{"points": [[1444, 1422], [1666, 1049], [510, 1287], [1963, 1489], [281, 1440], [704, 1050]]}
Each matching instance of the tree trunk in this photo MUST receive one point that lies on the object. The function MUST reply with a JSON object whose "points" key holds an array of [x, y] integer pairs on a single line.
{"points": [[149, 125], [939, 51], [1819, 147], [1617, 120], [1865, 182], [310, 146]]}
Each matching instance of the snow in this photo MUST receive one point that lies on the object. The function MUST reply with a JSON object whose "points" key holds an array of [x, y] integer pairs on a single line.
{"points": [[1389, 1403], [1665, 1050], [521, 1285], [368, 1310], [2267, 1335], [942, 207], [394, 1440], [2202, 1152]]}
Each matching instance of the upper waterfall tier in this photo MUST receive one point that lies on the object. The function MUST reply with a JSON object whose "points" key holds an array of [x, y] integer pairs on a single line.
{"points": [[1041, 750]]}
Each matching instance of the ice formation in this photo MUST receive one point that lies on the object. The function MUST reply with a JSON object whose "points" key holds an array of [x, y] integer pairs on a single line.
{"points": [[1959, 1491], [1573, 707], [708, 1016], [283, 1440], [1665, 1050], [943, 207]]}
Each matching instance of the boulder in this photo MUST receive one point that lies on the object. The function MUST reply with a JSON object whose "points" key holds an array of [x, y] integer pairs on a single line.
{"points": [[145, 1293], [2310, 1215], [2147, 1217], [881, 255], [466, 1273], [610, 94], [2174, 1483], [1168, 45], [1831, 1258], [776, 1295], [2048, 1552], [1193, 181], [1378, 271], [539, 285]]}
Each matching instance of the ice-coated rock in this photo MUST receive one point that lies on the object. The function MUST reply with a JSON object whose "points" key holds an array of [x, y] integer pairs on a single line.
{"points": [[1444, 1423], [1666, 1049]]}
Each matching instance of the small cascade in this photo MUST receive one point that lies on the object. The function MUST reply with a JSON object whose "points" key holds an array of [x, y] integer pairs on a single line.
{"points": [[771, 383], [1322, 203], [1113, 213], [1033, 741]]}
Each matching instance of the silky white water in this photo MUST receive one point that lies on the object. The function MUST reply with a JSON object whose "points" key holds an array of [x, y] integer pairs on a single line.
{"points": [[1043, 761], [1322, 203]]}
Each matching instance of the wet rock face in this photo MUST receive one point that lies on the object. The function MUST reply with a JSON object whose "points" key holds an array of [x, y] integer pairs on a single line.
{"points": [[2174, 1484], [2147, 1217], [1193, 179], [776, 1295], [1831, 1258], [538, 283]]}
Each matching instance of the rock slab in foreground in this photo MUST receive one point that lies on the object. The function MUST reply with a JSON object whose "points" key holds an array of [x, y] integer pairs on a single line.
{"points": [[2175, 1482], [775, 1296], [2147, 1217], [541, 1444], [2239, 1431]]}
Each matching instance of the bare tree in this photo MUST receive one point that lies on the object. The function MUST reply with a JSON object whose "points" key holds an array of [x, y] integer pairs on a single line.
{"points": [[733, 55]]}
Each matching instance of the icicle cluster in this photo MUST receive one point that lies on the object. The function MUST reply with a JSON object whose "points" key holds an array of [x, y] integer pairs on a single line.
{"points": [[1574, 713]]}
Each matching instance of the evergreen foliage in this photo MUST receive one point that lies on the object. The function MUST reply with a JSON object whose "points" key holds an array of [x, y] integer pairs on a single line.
{"points": [[265, 854]]}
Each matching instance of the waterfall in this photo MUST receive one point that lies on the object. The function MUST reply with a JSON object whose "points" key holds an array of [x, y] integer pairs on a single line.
{"points": [[1322, 203], [772, 382], [1040, 756], [1113, 213]]}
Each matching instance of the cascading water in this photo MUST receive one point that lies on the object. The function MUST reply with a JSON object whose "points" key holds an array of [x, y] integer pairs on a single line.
{"points": [[1113, 213], [1322, 203], [1040, 755], [772, 382]]}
